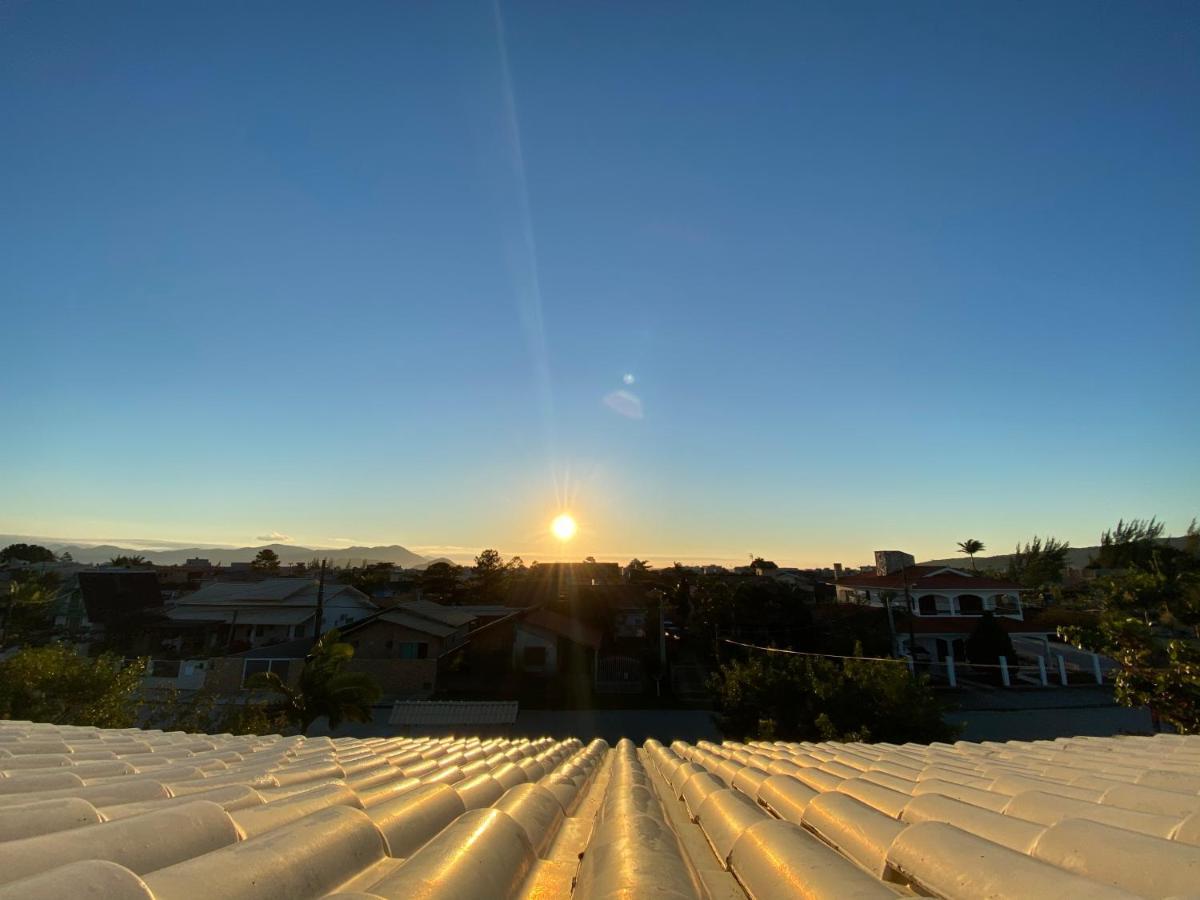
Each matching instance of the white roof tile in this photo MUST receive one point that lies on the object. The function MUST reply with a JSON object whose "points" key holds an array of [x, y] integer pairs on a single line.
{"points": [[152, 815]]}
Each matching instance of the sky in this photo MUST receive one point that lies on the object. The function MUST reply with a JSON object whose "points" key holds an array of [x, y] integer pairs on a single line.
{"points": [[801, 280]]}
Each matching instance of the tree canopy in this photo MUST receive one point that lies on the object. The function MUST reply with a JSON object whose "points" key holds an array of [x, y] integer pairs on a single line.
{"points": [[787, 697], [1039, 563], [440, 581], [55, 684], [1149, 622], [489, 575], [971, 546], [1130, 543], [32, 553], [325, 687], [128, 562], [266, 560]]}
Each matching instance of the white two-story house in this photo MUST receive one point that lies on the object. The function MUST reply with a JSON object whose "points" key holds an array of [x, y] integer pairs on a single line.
{"points": [[946, 602]]}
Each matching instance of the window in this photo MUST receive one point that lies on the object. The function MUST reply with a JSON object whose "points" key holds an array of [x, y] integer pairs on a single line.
{"points": [[970, 605], [164, 668], [928, 605], [254, 666], [413, 650], [535, 657]]}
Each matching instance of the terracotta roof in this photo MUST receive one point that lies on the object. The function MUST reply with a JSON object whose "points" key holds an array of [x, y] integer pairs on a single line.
{"points": [[165, 816], [922, 578]]}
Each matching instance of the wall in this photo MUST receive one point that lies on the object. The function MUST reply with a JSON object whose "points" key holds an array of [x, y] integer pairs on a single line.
{"points": [[371, 641], [400, 678], [526, 636], [225, 673]]}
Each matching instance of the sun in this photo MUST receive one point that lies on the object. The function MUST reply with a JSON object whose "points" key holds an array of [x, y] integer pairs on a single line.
{"points": [[563, 527]]}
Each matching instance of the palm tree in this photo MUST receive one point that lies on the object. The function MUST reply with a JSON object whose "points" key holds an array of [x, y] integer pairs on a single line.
{"points": [[971, 547], [128, 562], [325, 688]]}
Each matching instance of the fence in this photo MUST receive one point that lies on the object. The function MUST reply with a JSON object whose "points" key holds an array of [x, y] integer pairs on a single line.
{"points": [[1040, 672]]}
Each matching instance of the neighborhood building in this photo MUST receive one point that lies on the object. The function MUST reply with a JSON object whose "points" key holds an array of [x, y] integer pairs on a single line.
{"points": [[259, 613], [946, 603]]}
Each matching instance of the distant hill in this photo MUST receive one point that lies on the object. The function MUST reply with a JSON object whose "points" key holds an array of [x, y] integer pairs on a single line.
{"points": [[1077, 557], [288, 553]]}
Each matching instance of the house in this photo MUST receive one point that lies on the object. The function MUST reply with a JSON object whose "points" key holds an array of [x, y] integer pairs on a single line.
{"points": [[259, 613], [543, 640], [946, 603], [121, 602], [419, 629], [401, 647]]}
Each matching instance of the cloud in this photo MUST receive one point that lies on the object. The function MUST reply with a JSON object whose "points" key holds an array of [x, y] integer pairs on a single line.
{"points": [[625, 404], [273, 538]]}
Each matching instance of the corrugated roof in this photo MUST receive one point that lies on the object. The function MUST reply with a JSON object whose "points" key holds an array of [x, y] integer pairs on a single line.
{"points": [[416, 623], [163, 816], [245, 615], [447, 615], [250, 591]]}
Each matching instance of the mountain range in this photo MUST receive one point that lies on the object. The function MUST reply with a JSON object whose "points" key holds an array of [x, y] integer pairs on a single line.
{"points": [[288, 553]]}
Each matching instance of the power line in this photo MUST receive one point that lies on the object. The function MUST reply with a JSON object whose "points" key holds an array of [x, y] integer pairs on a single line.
{"points": [[890, 659]]}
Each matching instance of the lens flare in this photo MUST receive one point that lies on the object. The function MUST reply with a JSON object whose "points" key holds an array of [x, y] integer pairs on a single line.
{"points": [[563, 527]]}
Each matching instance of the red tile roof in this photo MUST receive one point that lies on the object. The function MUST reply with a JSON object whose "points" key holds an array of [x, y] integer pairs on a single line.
{"points": [[922, 578]]}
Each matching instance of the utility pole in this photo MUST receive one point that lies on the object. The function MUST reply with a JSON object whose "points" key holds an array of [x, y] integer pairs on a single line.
{"points": [[320, 600], [912, 635]]}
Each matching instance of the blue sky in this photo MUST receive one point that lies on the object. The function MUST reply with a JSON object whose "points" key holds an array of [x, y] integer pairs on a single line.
{"points": [[882, 274]]}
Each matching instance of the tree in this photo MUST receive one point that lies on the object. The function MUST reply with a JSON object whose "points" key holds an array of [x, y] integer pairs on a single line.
{"points": [[325, 687], [489, 575], [970, 547], [267, 560], [789, 697], [54, 684], [637, 571], [1149, 625], [989, 641], [1130, 543], [1038, 563], [368, 579], [31, 553], [440, 580], [128, 562], [27, 610], [760, 564]]}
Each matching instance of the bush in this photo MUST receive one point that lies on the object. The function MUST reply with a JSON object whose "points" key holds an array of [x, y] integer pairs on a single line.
{"points": [[55, 684], [988, 642], [785, 697]]}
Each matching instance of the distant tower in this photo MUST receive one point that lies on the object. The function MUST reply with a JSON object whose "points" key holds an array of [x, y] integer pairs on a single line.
{"points": [[889, 561]]}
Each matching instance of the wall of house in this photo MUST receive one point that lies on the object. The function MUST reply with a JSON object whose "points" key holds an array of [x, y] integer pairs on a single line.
{"points": [[382, 640], [224, 674], [526, 636], [945, 599], [400, 678]]}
